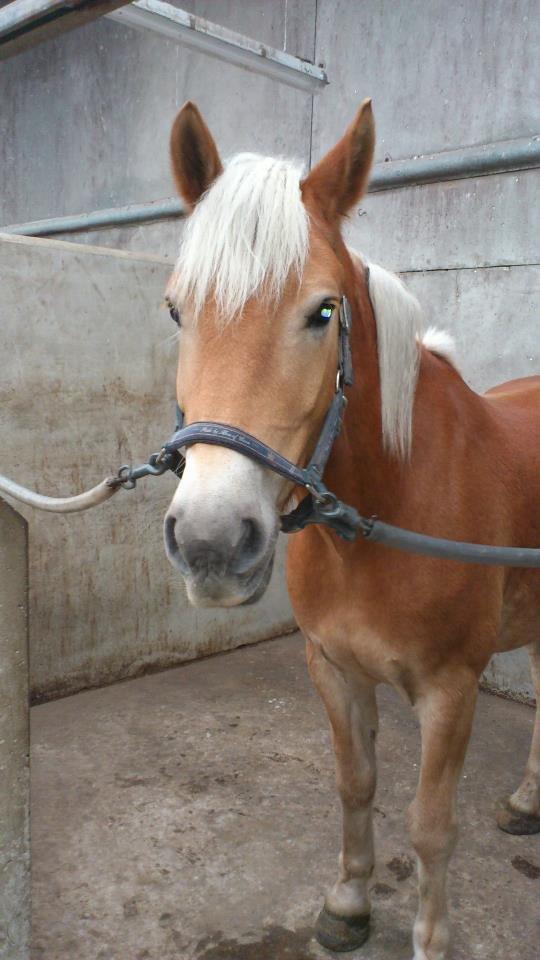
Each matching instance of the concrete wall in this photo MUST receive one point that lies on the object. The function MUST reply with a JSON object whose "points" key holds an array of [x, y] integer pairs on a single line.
{"points": [[88, 386], [14, 739], [87, 118]]}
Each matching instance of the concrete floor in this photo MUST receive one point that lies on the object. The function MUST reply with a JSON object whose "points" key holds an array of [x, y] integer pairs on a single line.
{"points": [[191, 815]]}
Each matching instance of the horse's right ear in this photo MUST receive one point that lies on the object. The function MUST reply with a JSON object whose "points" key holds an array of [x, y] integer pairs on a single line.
{"points": [[338, 181], [194, 157]]}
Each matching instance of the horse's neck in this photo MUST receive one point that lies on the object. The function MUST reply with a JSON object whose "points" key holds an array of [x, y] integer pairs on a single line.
{"points": [[447, 416]]}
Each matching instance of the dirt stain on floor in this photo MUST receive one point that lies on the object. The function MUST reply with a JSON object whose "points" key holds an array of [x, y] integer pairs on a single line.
{"points": [[526, 867], [276, 942], [401, 867]]}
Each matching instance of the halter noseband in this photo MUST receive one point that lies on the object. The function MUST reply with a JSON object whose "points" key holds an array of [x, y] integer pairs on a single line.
{"points": [[320, 505]]}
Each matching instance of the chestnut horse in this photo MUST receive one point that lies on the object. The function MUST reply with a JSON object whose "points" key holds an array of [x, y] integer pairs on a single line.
{"points": [[256, 294]]}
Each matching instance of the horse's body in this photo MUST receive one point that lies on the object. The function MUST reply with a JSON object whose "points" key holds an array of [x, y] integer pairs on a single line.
{"points": [[419, 449]]}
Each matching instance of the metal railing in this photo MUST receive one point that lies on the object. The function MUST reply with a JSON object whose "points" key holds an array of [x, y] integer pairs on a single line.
{"points": [[479, 161]]}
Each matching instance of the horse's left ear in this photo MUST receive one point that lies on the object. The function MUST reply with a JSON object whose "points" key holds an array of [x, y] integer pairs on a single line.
{"points": [[338, 181], [194, 156]]}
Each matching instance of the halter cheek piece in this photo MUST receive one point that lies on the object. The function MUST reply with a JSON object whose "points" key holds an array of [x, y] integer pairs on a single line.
{"points": [[320, 505]]}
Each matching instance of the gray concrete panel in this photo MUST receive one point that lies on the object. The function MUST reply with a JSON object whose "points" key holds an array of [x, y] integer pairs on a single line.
{"points": [[14, 745], [281, 24], [442, 75], [89, 386], [493, 315], [86, 118], [510, 674], [163, 237], [478, 222]]}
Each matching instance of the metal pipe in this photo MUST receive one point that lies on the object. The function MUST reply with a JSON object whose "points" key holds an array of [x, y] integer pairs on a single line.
{"points": [[217, 41], [23, 13], [510, 155], [82, 501], [134, 213], [479, 161]]}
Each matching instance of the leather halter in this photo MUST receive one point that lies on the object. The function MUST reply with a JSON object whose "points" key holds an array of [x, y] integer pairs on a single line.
{"points": [[320, 505]]}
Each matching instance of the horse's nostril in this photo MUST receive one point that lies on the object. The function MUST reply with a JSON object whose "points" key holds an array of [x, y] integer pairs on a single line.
{"points": [[169, 532], [249, 545], [175, 550], [251, 536]]}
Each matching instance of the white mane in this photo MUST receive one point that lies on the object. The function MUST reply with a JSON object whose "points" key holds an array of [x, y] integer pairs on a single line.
{"points": [[441, 343], [399, 324], [248, 232], [399, 320]]}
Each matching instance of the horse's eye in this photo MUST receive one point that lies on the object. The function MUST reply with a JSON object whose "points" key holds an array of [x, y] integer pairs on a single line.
{"points": [[175, 315], [322, 315]]}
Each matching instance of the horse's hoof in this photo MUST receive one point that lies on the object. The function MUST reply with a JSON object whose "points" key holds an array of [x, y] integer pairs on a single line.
{"points": [[341, 933], [516, 822]]}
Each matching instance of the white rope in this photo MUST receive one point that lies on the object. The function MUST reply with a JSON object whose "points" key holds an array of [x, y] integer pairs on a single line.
{"points": [[83, 501]]}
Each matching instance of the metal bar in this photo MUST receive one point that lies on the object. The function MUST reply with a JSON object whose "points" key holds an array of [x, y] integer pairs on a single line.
{"points": [[218, 41], [22, 13], [522, 154], [167, 209], [461, 164], [25, 23]]}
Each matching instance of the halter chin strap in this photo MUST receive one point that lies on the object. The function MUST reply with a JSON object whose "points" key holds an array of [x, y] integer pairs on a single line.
{"points": [[320, 505]]}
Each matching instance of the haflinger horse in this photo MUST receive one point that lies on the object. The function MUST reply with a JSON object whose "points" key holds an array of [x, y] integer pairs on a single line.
{"points": [[256, 293]]}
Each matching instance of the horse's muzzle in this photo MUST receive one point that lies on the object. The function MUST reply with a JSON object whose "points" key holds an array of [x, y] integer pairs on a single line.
{"points": [[228, 568]]}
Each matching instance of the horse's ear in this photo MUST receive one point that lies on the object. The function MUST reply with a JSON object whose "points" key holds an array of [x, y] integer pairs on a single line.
{"points": [[338, 181], [194, 157]]}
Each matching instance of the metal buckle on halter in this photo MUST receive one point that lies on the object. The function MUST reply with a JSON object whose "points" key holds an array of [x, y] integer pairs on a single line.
{"points": [[327, 510]]}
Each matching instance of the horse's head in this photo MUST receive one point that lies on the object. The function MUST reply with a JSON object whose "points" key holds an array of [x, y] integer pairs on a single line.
{"points": [[256, 293]]}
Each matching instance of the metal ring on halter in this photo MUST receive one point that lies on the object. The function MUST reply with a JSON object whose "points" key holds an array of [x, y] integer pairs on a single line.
{"points": [[124, 478], [321, 496]]}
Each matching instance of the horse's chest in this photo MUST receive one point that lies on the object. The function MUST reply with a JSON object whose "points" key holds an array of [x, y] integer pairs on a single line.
{"points": [[355, 642]]}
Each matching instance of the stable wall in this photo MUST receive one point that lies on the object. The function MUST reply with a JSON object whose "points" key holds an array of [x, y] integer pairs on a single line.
{"points": [[88, 383], [441, 76], [86, 117]]}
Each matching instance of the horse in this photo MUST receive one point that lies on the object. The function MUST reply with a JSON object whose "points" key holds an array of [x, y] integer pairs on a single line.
{"points": [[256, 292]]}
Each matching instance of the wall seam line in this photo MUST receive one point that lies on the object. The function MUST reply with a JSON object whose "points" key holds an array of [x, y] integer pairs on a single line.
{"points": [[313, 95], [486, 266]]}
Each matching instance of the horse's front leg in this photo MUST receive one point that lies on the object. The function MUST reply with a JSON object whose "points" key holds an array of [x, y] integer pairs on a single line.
{"points": [[352, 710], [445, 712]]}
